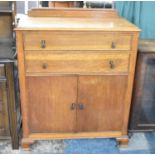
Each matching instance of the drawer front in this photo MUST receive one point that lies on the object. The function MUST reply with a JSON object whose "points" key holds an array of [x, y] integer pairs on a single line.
{"points": [[2, 70], [77, 63], [77, 41]]}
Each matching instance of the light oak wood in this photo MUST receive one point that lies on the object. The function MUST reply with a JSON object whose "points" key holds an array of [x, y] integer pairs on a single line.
{"points": [[47, 136], [123, 141], [76, 63], [73, 23], [73, 12], [22, 84], [77, 41], [101, 97], [127, 102], [52, 112], [68, 59]]}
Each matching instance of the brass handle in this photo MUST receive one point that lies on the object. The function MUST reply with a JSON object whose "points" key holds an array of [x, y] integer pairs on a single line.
{"points": [[73, 106], [113, 45], [112, 65], [44, 65], [43, 43], [81, 106]]}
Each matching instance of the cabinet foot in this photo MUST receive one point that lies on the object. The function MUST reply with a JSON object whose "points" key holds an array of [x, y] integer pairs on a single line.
{"points": [[25, 144], [123, 141]]}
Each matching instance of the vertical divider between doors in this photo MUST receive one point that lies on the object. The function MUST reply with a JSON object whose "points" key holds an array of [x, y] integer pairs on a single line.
{"points": [[76, 124]]}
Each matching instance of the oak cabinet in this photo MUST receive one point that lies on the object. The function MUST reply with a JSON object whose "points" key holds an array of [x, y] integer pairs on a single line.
{"points": [[76, 74]]}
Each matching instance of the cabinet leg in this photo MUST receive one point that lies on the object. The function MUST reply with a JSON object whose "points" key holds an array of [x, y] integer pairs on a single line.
{"points": [[123, 141], [15, 145], [25, 144]]}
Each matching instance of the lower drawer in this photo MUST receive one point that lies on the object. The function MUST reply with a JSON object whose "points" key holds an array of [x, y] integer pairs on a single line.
{"points": [[76, 62]]}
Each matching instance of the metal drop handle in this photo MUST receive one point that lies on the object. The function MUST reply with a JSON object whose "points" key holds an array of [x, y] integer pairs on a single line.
{"points": [[73, 106], [112, 65], [113, 45], [81, 106], [43, 43], [44, 65]]}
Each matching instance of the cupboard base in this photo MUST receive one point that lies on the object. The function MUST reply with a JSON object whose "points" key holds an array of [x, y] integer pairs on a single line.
{"points": [[26, 142], [123, 141]]}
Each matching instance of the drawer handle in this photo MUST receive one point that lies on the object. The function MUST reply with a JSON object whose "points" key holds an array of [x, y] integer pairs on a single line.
{"points": [[112, 65], [113, 45], [44, 65], [81, 106], [43, 43], [73, 106]]}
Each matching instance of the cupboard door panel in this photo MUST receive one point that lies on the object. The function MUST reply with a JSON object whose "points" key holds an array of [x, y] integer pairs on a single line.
{"points": [[102, 98], [49, 104]]}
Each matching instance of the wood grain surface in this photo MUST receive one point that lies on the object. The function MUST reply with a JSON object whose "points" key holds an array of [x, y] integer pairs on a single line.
{"points": [[68, 40]]}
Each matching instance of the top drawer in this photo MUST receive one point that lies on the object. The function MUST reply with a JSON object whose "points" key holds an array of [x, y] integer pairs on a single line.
{"points": [[39, 40]]}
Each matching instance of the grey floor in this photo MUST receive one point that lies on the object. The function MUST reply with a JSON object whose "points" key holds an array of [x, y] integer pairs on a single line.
{"points": [[139, 143]]}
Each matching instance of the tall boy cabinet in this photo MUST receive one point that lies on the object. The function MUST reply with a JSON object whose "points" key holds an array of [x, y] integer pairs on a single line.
{"points": [[76, 70]]}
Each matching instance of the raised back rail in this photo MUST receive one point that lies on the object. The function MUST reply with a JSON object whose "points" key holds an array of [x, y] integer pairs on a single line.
{"points": [[73, 12]]}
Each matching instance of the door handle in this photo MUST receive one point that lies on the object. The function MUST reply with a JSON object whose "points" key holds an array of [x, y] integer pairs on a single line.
{"points": [[112, 65], [113, 45], [73, 106], [81, 106], [43, 43], [44, 65]]}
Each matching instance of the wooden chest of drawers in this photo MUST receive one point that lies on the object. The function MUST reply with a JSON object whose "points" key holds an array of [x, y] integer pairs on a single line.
{"points": [[76, 76]]}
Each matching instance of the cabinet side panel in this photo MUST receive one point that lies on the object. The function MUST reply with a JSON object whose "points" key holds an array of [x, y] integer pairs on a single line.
{"points": [[132, 64], [21, 68]]}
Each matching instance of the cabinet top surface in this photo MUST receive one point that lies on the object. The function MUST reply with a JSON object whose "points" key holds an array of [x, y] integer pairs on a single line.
{"points": [[81, 24]]}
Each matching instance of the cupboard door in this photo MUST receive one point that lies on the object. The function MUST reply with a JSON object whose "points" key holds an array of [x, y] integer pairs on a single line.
{"points": [[4, 121], [50, 102], [102, 98]]}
